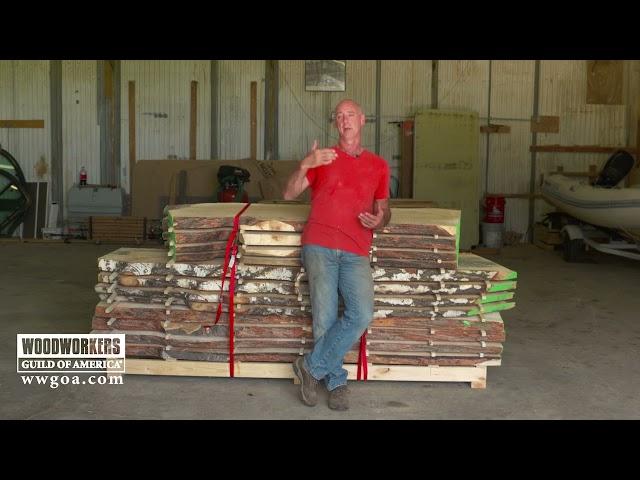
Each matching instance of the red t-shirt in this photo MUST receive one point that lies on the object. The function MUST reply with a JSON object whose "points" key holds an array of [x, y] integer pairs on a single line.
{"points": [[341, 191]]}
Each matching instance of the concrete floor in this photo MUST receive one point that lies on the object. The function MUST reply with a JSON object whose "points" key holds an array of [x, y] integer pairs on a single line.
{"points": [[572, 352]]}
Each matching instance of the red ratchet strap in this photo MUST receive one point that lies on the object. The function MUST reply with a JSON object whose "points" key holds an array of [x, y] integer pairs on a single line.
{"points": [[227, 254], [362, 358], [230, 253]]}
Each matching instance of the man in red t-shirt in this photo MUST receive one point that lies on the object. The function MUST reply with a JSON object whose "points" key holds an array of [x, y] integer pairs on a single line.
{"points": [[349, 199]]}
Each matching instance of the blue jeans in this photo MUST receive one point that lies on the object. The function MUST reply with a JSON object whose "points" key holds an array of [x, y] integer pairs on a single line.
{"points": [[329, 272]]}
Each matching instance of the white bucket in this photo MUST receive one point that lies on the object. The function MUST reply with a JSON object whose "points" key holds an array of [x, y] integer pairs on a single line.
{"points": [[492, 234]]}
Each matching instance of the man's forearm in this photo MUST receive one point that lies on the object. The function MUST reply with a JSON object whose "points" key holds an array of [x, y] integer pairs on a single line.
{"points": [[382, 206], [295, 184], [386, 218]]}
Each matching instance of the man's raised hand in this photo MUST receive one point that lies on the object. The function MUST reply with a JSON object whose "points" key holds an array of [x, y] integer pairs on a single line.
{"points": [[319, 156]]}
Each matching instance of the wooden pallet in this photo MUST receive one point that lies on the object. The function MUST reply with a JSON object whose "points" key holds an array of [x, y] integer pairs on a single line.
{"points": [[477, 376], [120, 229], [543, 234], [543, 245]]}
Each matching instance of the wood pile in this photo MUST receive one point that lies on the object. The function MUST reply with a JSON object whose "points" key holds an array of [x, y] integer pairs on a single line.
{"points": [[199, 232], [433, 306]]}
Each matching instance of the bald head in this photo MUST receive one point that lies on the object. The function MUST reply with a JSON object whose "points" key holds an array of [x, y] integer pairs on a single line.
{"points": [[349, 103]]}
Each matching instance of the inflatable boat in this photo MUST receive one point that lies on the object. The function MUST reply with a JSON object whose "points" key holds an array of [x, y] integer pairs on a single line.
{"points": [[603, 203], [617, 208]]}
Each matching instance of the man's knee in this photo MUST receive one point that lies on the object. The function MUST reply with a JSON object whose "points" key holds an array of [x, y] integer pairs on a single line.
{"points": [[319, 330], [362, 314], [365, 319]]}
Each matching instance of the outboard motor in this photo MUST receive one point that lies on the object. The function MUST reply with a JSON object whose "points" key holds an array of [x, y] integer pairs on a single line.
{"points": [[615, 170]]}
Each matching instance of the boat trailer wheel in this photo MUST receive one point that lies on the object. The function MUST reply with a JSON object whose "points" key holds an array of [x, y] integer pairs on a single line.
{"points": [[572, 248]]}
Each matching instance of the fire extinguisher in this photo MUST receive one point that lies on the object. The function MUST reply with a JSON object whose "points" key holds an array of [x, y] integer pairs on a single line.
{"points": [[83, 176]]}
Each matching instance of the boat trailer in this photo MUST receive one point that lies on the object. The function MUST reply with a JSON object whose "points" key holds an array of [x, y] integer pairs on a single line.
{"points": [[579, 237]]}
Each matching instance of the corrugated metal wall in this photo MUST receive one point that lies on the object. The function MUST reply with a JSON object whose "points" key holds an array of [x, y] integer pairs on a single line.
{"points": [[234, 108], [361, 87], [501, 90], [630, 94], [163, 106], [302, 115], [405, 90], [305, 116], [24, 95], [508, 157], [80, 129], [464, 85]]}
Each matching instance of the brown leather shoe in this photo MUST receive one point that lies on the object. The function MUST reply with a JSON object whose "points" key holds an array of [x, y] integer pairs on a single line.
{"points": [[308, 384], [339, 399]]}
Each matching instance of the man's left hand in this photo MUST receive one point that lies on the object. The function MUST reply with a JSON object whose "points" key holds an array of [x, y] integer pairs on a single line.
{"points": [[369, 220]]}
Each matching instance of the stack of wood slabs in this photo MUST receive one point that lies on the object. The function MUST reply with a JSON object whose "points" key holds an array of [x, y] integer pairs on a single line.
{"points": [[421, 316], [167, 310], [271, 276], [157, 303], [439, 316], [478, 286], [409, 302], [425, 237], [162, 326], [442, 341], [426, 313], [269, 267], [199, 232], [270, 234], [269, 262]]}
